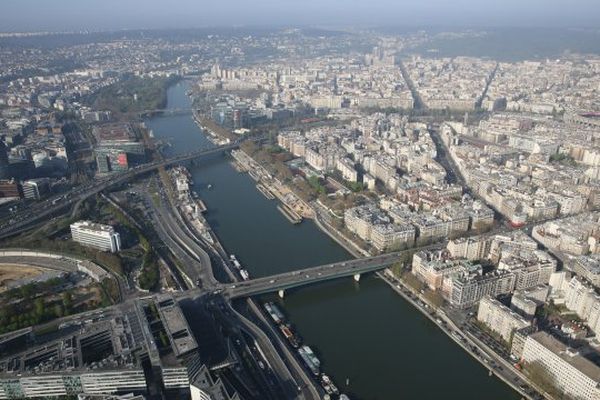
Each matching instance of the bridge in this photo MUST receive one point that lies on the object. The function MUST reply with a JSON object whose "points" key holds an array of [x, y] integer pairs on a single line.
{"points": [[52, 206], [281, 282], [167, 111]]}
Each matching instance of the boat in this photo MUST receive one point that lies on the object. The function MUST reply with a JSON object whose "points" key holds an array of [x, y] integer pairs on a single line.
{"points": [[309, 358], [244, 274], [289, 335], [328, 385], [265, 192], [209, 186], [274, 315], [235, 261]]}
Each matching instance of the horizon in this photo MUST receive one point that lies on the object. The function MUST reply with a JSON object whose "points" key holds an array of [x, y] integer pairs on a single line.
{"points": [[111, 15]]}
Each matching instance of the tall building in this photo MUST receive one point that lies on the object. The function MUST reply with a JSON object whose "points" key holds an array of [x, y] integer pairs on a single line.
{"points": [[570, 372], [204, 387], [98, 236]]}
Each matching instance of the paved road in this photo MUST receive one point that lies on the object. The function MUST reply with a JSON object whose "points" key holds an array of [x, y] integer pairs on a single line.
{"points": [[195, 261], [293, 380], [21, 221]]}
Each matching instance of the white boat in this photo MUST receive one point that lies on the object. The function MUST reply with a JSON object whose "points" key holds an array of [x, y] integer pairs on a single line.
{"points": [[244, 274]]}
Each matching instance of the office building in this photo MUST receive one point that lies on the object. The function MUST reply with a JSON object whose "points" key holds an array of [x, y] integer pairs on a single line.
{"points": [[111, 356], [98, 236], [116, 147]]}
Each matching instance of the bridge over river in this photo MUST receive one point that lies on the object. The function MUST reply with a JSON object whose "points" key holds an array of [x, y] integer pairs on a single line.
{"points": [[281, 282]]}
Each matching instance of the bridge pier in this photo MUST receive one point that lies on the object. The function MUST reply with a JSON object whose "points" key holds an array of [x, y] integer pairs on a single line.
{"points": [[357, 277], [281, 293]]}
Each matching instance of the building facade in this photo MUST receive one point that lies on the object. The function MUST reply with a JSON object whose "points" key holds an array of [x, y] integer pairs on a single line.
{"points": [[98, 236]]}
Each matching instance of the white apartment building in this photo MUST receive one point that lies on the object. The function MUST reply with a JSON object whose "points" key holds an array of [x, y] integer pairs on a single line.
{"points": [[468, 289], [571, 373], [98, 236], [581, 298], [499, 318]]}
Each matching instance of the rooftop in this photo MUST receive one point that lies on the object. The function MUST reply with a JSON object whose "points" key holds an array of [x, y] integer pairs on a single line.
{"points": [[176, 326], [568, 355], [92, 226], [113, 132]]}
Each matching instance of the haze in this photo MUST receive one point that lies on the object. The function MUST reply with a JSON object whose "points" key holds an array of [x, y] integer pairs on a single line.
{"points": [[35, 15]]}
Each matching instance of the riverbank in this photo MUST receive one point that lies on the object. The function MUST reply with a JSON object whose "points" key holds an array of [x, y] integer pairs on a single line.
{"points": [[296, 208], [338, 319], [216, 133], [474, 347]]}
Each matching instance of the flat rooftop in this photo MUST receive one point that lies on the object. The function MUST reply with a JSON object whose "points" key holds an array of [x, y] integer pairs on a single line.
{"points": [[113, 132], [582, 364], [92, 226], [182, 341]]}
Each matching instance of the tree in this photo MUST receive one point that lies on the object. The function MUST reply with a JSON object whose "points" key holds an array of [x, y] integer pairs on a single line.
{"points": [[59, 310], [39, 307], [435, 298], [67, 301], [543, 379]]}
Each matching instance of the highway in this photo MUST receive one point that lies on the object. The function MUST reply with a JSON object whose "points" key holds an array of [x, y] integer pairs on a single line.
{"points": [[286, 369], [26, 217], [195, 261]]}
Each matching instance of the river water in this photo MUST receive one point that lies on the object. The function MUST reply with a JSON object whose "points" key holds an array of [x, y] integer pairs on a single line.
{"points": [[364, 333]]}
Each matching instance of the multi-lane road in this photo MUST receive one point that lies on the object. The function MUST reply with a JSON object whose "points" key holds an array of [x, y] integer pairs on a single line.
{"points": [[26, 217]]}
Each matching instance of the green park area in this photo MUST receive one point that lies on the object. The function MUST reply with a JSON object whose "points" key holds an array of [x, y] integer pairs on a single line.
{"points": [[132, 95]]}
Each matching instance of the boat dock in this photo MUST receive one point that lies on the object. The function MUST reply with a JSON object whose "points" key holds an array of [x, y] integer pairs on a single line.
{"points": [[265, 192], [290, 214], [294, 209], [238, 166], [254, 175]]}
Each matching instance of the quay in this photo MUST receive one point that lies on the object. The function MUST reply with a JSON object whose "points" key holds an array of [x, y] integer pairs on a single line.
{"points": [[289, 214], [294, 205], [265, 192]]}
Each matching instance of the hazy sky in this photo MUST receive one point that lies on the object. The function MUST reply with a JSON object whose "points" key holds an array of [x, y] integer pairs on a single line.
{"points": [[128, 14]]}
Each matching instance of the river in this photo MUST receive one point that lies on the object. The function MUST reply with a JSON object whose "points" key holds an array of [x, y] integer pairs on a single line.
{"points": [[362, 332]]}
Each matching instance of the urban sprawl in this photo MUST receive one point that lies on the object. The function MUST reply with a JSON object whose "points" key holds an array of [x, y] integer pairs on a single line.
{"points": [[483, 177]]}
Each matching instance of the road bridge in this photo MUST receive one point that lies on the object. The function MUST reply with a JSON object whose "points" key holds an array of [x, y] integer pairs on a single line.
{"points": [[167, 111], [281, 282]]}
